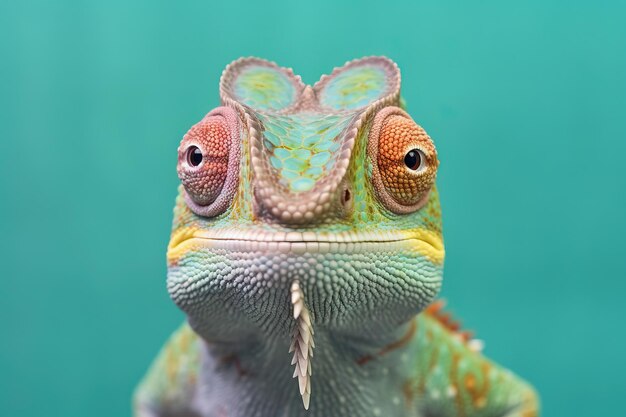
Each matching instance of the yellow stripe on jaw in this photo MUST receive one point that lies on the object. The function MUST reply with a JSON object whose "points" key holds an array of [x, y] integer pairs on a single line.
{"points": [[428, 244], [176, 249], [425, 242]]}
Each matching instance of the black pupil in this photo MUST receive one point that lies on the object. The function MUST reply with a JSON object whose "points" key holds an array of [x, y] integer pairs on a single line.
{"points": [[195, 156], [412, 159]]}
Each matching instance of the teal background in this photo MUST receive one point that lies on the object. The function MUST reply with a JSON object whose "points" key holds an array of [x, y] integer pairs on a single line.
{"points": [[526, 102]]}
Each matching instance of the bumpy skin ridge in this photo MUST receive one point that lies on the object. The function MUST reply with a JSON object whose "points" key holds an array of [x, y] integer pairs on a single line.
{"points": [[316, 205], [326, 235]]}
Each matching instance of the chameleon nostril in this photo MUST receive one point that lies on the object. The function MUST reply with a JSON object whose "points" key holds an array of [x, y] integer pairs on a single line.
{"points": [[346, 199]]}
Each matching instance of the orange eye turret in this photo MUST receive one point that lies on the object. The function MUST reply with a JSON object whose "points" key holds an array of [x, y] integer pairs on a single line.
{"points": [[404, 161]]}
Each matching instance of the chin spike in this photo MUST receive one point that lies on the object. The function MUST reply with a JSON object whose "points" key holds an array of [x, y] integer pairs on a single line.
{"points": [[301, 343]]}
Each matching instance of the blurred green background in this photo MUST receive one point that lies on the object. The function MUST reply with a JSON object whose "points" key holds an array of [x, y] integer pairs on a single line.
{"points": [[525, 100]]}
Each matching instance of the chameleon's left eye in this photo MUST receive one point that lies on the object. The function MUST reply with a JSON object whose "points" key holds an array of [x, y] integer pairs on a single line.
{"points": [[404, 161], [413, 159], [208, 162]]}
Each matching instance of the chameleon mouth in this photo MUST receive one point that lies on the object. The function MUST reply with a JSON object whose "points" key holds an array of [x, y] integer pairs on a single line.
{"points": [[424, 242]]}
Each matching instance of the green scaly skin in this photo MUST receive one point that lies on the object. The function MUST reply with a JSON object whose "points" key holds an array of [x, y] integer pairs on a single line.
{"points": [[291, 240]]}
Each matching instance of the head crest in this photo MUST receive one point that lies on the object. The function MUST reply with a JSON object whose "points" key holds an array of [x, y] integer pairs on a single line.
{"points": [[301, 137]]}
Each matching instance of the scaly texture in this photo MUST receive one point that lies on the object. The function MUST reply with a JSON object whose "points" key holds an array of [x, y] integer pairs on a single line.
{"points": [[315, 207], [203, 159], [301, 147], [401, 185], [302, 343], [398, 136]]}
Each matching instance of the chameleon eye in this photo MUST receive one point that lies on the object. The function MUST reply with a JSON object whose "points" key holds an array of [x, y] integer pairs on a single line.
{"points": [[404, 161], [413, 159], [208, 162], [194, 156]]}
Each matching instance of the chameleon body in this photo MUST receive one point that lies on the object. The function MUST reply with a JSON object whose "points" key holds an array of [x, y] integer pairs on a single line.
{"points": [[307, 252]]}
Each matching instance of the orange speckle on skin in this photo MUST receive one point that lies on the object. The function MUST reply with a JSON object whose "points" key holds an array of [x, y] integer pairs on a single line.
{"points": [[479, 393], [532, 406], [480, 402], [454, 372], [409, 394], [435, 310], [470, 382]]}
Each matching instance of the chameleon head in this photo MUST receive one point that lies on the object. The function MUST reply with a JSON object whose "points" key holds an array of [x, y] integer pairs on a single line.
{"points": [[330, 185]]}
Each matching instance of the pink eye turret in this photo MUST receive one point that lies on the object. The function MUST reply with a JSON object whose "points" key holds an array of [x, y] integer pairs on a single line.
{"points": [[208, 162], [203, 159]]}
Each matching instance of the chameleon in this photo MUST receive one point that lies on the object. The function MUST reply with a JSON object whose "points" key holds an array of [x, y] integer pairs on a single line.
{"points": [[307, 254]]}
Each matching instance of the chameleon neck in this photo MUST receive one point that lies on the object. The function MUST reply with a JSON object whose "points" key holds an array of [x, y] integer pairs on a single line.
{"points": [[349, 375]]}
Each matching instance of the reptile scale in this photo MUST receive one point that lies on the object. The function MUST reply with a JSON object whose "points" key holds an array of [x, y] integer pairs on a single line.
{"points": [[307, 253]]}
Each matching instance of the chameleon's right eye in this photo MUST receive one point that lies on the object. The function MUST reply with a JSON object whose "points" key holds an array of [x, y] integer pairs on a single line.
{"points": [[208, 162], [194, 156]]}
